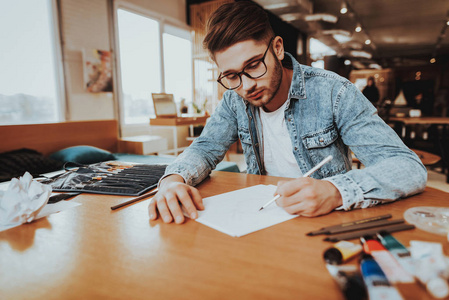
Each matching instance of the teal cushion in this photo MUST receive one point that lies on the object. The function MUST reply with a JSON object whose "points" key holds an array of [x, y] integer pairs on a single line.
{"points": [[83, 155]]}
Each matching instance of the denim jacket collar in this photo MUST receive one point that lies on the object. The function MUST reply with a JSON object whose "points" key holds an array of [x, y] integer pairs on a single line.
{"points": [[297, 86]]}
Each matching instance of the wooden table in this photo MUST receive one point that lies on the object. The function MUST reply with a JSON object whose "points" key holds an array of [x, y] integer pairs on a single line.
{"points": [[427, 158], [91, 252], [405, 121]]}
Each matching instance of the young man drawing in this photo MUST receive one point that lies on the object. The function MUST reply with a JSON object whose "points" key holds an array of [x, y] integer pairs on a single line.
{"points": [[288, 118]]}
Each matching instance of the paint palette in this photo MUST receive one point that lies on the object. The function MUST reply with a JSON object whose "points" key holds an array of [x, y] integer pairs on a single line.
{"points": [[428, 218]]}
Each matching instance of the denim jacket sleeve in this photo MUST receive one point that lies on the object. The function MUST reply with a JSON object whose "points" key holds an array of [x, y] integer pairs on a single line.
{"points": [[206, 151], [391, 170]]}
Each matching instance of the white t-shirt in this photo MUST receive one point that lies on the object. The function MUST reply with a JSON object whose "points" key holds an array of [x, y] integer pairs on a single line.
{"points": [[278, 155]]}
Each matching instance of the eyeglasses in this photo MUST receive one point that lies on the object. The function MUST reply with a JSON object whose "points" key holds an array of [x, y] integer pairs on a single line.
{"points": [[253, 70]]}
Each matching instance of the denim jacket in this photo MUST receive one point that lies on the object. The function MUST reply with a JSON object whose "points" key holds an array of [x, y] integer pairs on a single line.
{"points": [[326, 115]]}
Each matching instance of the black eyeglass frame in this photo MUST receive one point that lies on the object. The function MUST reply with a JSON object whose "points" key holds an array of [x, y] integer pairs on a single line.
{"points": [[239, 74]]}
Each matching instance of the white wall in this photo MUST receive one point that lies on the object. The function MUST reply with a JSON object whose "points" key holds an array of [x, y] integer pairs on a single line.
{"points": [[175, 9], [84, 27]]}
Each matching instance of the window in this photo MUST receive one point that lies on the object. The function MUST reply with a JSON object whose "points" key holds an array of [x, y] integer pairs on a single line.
{"points": [[151, 61], [178, 64], [30, 88], [139, 65]]}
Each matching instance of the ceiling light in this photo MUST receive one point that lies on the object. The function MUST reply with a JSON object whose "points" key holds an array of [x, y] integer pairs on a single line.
{"points": [[447, 23], [418, 75], [433, 60], [321, 17], [309, 18], [336, 31], [341, 38], [291, 17], [347, 62], [344, 8], [367, 42], [358, 28], [375, 66], [276, 6], [363, 54]]}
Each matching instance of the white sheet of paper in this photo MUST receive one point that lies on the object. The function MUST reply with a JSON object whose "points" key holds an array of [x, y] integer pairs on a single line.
{"points": [[237, 213]]}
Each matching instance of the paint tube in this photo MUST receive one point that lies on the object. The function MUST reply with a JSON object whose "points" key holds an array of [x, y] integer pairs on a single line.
{"points": [[389, 265], [349, 280], [431, 267], [341, 252], [398, 250], [376, 282]]}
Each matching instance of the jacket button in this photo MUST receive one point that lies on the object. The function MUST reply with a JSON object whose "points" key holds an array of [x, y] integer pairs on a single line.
{"points": [[296, 148], [289, 119], [321, 140]]}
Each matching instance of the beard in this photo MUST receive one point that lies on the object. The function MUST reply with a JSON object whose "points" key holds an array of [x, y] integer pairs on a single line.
{"points": [[272, 89]]}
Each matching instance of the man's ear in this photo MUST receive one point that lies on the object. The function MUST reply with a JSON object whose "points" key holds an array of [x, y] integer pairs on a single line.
{"points": [[278, 47]]}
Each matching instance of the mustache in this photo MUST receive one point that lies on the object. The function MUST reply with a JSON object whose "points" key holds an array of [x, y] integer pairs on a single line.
{"points": [[250, 92]]}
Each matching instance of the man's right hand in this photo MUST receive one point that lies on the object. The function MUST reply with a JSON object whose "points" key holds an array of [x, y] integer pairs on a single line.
{"points": [[173, 193]]}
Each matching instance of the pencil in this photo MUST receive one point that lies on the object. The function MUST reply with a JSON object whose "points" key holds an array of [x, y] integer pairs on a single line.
{"points": [[151, 193], [326, 230], [374, 231], [364, 226], [310, 172]]}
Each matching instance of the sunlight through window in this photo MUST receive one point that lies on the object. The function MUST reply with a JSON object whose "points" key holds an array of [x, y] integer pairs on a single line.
{"points": [[29, 85], [141, 70]]}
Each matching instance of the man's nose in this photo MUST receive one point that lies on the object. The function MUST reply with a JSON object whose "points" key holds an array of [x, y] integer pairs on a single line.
{"points": [[247, 83]]}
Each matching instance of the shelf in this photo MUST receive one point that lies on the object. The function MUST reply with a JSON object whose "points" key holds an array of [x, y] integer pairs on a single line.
{"points": [[143, 144], [179, 121]]}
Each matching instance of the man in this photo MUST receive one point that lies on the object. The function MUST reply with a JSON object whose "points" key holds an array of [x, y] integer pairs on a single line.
{"points": [[288, 118], [370, 91]]}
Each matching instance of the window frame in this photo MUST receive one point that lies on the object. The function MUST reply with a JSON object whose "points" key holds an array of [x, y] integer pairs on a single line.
{"points": [[58, 48], [164, 21]]}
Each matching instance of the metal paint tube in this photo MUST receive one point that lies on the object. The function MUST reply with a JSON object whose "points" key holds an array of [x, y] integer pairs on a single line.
{"points": [[389, 265], [341, 252], [399, 251], [430, 267], [376, 282], [349, 280]]}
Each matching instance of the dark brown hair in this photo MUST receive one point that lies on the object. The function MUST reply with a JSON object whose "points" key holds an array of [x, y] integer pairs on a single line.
{"points": [[236, 22]]}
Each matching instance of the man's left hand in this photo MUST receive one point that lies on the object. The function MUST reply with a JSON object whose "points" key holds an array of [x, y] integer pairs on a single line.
{"points": [[308, 197]]}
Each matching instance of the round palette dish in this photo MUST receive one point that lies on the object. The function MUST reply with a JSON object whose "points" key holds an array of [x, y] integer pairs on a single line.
{"points": [[430, 219]]}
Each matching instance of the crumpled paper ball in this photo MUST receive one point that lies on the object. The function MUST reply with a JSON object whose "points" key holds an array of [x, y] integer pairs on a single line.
{"points": [[23, 200]]}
